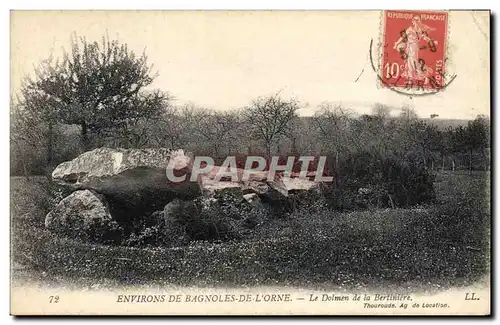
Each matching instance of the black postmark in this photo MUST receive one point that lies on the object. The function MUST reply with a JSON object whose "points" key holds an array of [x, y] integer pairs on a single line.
{"points": [[415, 88]]}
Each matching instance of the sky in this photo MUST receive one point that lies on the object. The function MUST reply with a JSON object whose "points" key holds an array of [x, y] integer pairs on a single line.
{"points": [[224, 59]]}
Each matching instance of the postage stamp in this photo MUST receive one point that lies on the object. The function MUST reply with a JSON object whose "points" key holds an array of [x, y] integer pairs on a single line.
{"points": [[414, 50], [230, 163]]}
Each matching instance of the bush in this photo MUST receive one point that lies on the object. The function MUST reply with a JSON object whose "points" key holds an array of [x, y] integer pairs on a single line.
{"points": [[309, 202], [221, 216], [34, 197], [408, 181], [168, 233], [51, 195], [228, 203], [368, 179], [200, 219], [100, 231]]}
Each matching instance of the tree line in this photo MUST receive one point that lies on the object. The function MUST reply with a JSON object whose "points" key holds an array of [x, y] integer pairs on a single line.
{"points": [[99, 94]]}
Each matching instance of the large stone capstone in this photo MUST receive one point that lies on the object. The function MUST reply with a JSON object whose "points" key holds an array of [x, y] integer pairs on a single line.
{"points": [[112, 171], [134, 181]]}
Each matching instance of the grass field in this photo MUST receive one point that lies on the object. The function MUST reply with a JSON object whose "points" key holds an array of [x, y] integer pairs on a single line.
{"points": [[435, 246]]}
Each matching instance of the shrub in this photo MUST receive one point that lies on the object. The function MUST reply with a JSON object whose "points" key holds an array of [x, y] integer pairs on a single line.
{"points": [[34, 197], [101, 231], [213, 225], [228, 203], [407, 180], [52, 194], [181, 211], [165, 234], [221, 216], [368, 179], [206, 218], [309, 202]]}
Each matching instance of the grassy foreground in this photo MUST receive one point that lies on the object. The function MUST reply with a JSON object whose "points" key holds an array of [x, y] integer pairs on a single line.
{"points": [[441, 245]]}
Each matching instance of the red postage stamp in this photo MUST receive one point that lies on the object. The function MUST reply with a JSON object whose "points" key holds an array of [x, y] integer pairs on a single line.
{"points": [[414, 48]]}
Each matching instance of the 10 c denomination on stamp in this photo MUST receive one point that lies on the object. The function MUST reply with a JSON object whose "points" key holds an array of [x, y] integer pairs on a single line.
{"points": [[414, 50]]}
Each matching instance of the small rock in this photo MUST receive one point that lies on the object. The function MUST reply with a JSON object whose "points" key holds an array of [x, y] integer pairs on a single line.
{"points": [[83, 214], [180, 211]]}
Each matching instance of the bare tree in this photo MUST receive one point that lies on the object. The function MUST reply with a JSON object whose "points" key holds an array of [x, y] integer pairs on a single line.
{"points": [[269, 118], [333, 124], [425, 137], [217, 129], [408, 114], [169, 129], [178, 126], [381, 110], [33, 123]]}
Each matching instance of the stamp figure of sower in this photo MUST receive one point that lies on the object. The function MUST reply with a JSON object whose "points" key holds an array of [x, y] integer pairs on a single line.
{"points": [[415, 49], [409, 46]]}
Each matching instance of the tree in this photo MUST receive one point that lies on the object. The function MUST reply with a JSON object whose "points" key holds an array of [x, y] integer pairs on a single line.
{"points": [[191, 117], [34, 131], [446, 146], [99, 87], [373, 133], [269, 118], [428, 139], [477, 138], [33, 123], [381, 110], [333, 124], [169, 129], [304, 139], [217, 129], [408, 114]]}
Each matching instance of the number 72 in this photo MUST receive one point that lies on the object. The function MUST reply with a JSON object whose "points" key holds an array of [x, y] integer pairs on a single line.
{"points": [[53, 299]]}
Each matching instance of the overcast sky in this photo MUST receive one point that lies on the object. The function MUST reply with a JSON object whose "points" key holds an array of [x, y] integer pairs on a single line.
{"points": [[222, 60]]}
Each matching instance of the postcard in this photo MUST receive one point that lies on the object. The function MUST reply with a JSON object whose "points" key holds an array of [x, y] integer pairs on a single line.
{"points": [[250, 162]]}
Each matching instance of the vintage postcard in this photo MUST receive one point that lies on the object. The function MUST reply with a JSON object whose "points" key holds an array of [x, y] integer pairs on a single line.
{"points": [[250, 162]]}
